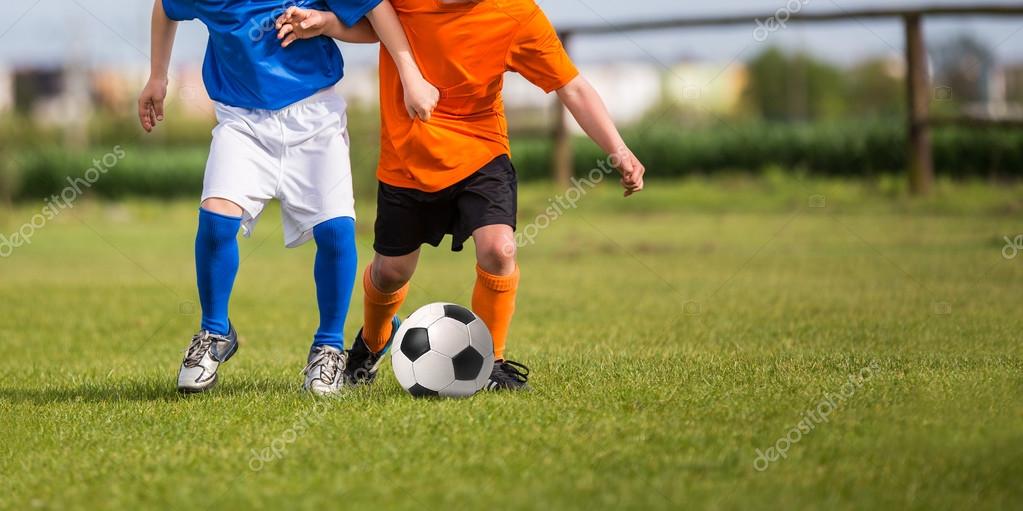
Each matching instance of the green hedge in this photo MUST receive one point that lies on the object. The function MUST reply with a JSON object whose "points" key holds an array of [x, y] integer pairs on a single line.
{"points": [[854, 150], [837, 150], [142, 172]]}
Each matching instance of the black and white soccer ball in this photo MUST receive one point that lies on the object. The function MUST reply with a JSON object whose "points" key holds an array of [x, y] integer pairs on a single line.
{"points": [[443, 349]]}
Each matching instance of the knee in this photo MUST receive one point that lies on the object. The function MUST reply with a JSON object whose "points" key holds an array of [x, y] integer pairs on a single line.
{"points": [[497, 256], [221, 207], [389, 276]]}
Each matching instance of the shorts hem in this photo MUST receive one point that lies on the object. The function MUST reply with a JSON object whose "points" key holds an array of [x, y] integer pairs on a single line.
{"points": [[249, 212], [400, 252], [492, 220]]}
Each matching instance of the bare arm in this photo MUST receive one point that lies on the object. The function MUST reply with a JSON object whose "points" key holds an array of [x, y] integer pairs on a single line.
{"points": [[153, 95], [298, 24], [362, 32], [588, 109], [420, 96]]}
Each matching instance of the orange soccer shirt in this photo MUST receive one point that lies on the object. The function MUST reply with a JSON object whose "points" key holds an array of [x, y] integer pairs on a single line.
{"points": [[464, 49]]}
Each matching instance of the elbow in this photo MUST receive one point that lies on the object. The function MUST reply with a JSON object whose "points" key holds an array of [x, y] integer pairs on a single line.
{"points": [[574, 91], [575, 86]]}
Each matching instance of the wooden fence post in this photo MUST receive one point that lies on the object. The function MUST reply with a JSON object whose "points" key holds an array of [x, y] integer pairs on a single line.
{"points": [[562, 157], [921, 157]]}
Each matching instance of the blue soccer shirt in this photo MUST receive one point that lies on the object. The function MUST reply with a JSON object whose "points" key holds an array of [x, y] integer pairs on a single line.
{"points": [[245, 65]]}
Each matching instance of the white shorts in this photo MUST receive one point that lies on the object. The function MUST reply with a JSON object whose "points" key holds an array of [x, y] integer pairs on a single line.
{"points": [[298, 155]]}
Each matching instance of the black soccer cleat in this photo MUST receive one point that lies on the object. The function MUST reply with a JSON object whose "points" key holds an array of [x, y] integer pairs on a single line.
{"points": [[363, 364], [508, 375]]}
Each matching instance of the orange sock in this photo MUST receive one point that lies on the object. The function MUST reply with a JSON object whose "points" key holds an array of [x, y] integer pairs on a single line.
{"points": [[379, 309], [493, 300]]}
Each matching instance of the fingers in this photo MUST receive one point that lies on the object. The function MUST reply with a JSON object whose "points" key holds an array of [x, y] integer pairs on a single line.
{"points": [[412, 114], [631, 188], [285, 18], [285, 30], [145, 117], [158, 109], [632, 175], [290, 39], [423, 114]]}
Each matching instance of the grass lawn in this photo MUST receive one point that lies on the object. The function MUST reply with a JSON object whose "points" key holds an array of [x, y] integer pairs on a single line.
{"points": [[672, 338]]}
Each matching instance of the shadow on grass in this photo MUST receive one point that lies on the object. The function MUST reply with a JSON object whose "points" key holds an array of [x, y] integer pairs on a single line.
{"points": [[139, 390]]}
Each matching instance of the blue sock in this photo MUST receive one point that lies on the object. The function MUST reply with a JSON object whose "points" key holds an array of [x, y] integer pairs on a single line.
{"points": [[216, 264], [334, 272]]}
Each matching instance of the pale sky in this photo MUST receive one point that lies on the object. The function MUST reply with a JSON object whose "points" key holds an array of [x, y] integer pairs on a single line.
{"points": [[116, 31]]}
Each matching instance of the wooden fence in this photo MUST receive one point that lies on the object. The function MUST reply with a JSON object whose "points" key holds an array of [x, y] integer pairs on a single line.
{"points": [[918, 87]]}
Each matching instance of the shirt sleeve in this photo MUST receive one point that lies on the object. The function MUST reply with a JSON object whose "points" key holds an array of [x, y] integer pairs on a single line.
{"points": [[351, 11], [538, 55], [180, 10]]}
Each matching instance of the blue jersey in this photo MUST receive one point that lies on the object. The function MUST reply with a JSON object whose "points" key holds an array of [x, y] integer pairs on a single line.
{"points": [[245, 65]]}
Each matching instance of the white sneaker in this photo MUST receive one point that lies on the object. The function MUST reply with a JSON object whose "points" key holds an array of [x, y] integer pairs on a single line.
{"points": [[324, 374], [205, 354]]}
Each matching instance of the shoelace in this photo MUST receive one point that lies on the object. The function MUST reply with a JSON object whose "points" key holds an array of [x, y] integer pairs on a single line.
{"points": [[511, 372], [331, 363], [201, 344], [198, 348]]}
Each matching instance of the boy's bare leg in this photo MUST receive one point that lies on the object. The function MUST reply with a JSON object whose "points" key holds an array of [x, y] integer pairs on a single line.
{"points": [[393, 273], [222, 207]]}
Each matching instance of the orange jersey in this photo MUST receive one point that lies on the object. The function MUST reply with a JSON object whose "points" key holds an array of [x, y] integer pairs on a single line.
{"points": [[463, 49]]}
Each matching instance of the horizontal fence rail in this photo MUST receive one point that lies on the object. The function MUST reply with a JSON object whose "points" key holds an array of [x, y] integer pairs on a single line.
{"points": [[918, 83], [801, 17]]}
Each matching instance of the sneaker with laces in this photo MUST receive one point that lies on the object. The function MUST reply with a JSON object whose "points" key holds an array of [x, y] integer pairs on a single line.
{"points": [[324, 372], [202, 359], [508, 375], [363, 364]]}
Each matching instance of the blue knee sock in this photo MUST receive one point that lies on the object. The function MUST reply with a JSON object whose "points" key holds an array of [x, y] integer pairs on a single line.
{"points": [[334, 272], [216, 264]]}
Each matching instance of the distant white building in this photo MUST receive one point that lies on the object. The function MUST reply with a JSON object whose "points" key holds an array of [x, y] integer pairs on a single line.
{"points": [[706, 86], [6, 90]]}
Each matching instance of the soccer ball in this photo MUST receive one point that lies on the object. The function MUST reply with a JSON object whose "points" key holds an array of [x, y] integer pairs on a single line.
{"points": [[443, 349]]}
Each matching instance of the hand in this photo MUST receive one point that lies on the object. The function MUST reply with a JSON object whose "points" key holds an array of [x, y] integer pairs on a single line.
{"points": [[632, 171], [151, 103], [420, 98], [298, 23]]}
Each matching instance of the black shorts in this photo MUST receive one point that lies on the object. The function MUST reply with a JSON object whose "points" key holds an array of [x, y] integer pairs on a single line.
{"points": [[407, 218]]}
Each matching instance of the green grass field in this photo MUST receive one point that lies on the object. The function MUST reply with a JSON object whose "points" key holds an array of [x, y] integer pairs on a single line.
{"points": [[671, 336]]}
